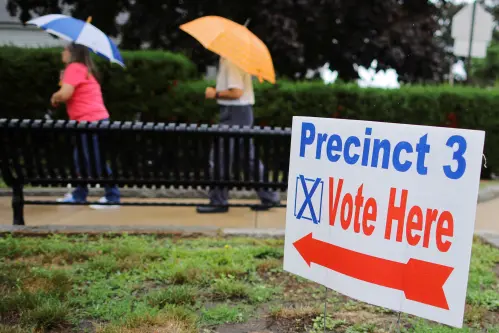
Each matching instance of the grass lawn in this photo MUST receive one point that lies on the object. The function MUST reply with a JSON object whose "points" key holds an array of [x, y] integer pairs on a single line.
{"points": [[146, 284]]}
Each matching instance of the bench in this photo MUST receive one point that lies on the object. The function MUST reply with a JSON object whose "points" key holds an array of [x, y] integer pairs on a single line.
{"points": [[39, 153]]}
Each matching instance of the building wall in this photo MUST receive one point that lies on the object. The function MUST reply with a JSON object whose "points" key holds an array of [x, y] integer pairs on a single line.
{"points": [[18, 35]]}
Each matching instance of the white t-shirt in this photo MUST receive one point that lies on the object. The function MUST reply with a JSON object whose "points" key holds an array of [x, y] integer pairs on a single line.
{"points": [[229, 77]]}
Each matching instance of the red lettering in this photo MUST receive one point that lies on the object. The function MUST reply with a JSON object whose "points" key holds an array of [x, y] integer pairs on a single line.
{"points": [[414, 223], [431, 216], [418, 226], [352, 207], [370, 215], [359, 202], [448, 230], [346, 205], [396, 213], [333, 207]]}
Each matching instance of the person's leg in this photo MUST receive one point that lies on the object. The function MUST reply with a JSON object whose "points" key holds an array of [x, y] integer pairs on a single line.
{"points": [[267, 197], [112, 193], [80, 193], [218, 195]]}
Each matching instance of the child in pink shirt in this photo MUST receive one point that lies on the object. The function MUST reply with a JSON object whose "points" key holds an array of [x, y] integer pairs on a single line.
{"points": [[86, 103], [82, 94]]}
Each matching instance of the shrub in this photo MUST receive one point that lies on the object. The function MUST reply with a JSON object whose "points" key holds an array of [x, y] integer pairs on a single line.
{"points": [[148, 90], [33, 75]]}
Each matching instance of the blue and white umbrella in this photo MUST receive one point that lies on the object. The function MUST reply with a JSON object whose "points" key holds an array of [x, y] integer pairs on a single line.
{"points": [[80, 32]]}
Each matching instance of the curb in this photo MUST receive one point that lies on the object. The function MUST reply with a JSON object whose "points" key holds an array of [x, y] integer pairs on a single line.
{"points": [[167, 231], [488, 193], [489, 237], [141, 193], [162, 231]]}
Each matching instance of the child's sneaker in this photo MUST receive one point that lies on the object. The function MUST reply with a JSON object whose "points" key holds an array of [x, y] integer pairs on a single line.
{"points": [[68, 198], [104, 201]]}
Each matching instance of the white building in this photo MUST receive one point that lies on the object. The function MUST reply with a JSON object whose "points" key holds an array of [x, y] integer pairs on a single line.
{"points": [[13, 32]]}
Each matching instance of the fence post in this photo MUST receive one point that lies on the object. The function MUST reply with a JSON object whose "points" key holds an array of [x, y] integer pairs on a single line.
{"points": [[18, 204]]}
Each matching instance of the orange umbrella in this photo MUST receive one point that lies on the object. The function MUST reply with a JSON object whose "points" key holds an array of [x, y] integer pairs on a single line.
{"points": [[234, 42]]}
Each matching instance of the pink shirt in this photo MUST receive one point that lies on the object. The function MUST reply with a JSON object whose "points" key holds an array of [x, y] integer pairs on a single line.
{"points": [[86, 102]]}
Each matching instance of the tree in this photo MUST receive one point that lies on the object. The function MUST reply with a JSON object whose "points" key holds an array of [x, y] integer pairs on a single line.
{"points": [[301, 34]]}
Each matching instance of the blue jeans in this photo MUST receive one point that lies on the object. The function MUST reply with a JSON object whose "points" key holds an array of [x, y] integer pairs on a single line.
{"points": [[112, 193]]}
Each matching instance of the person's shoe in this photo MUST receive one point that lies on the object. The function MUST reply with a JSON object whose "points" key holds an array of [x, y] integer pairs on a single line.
{"points": [[103, 200], [211, 209], [68, 198], [265, 206]]}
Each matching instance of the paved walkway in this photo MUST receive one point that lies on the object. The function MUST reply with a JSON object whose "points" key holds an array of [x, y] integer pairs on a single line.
{"points": [[487, 216], [144, 216]]}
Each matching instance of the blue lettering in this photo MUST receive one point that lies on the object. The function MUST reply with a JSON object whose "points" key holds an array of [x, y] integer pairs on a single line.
{"points": [[334, 144], [422, 148], [322, 137], [306, 140], [353, 140], [367, 146], [457, 156], [378, 145], [402, 167], [379, 153]]}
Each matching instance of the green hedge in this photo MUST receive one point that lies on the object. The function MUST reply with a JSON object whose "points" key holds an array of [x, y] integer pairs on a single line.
{"points": [[462, 107], [30, 76], [159, 86]]}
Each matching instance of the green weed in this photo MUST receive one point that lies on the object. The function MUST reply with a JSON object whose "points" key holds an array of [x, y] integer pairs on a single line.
{"points": [[229, 288], [223, 314], [361, 328], [11, 329], [177, 295], [50, 313], [331, 324], [132, 284]]}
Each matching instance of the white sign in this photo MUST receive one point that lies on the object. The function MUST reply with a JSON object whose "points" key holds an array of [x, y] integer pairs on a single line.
{"points": [[482, 31], [384, 213]]}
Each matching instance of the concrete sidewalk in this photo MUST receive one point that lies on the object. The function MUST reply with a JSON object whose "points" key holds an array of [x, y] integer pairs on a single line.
{"points": [[144, 216], [486, 218]]}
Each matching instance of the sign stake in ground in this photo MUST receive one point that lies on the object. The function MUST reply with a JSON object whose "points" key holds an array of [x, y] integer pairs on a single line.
{"points": [[384, 213], [325, 308]]}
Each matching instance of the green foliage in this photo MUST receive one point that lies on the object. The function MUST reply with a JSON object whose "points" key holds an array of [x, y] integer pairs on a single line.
{"points": [[33, 76], [225, 280], [224, 314], [486, 71], [300, 35], [483, 289], [161, 86], [51, 313], [331, 324], [177, 295], [464, 107]]}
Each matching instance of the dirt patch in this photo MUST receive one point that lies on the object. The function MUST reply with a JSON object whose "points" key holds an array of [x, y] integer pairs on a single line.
{"points": [[34, 285], [496, 270], [253, 325], [491, 318], [168, 326], [53, 262], [382, 322]]}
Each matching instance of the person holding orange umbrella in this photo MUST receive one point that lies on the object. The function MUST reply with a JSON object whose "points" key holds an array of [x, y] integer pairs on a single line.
{"points": [[234, 88]]}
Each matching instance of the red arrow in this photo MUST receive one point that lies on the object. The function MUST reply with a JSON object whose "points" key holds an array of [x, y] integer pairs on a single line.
{"points": [[420, 281]]}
